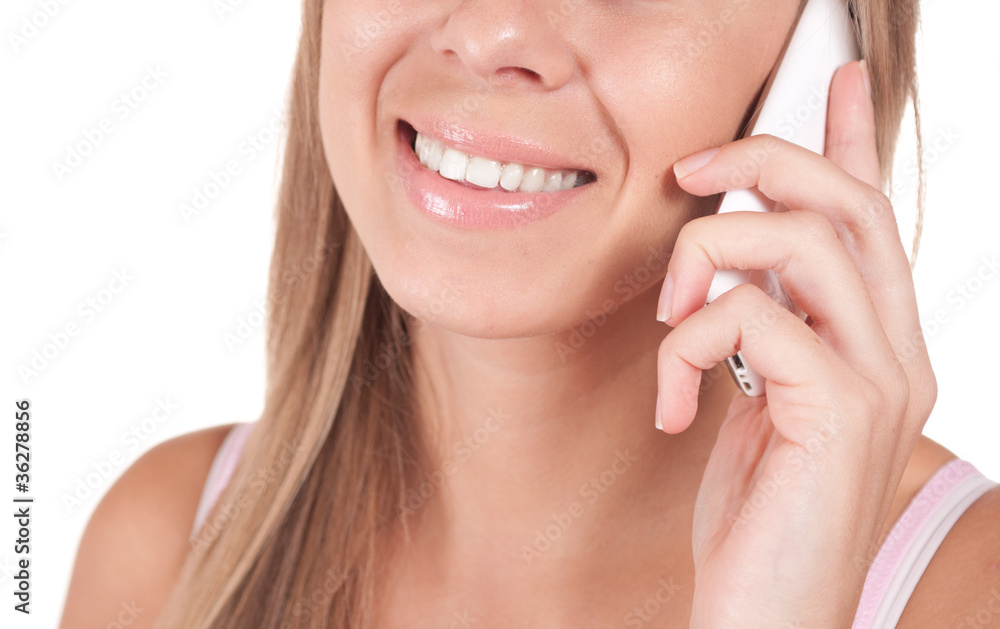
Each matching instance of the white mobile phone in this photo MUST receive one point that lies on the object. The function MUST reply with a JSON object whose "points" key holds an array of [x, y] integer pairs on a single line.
{"points": [[793, 109]]}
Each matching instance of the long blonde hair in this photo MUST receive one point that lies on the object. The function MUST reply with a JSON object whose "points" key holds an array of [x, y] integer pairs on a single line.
{"points": [[295, 538]]}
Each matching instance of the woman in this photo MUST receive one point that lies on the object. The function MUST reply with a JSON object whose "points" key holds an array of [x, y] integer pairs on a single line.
{"points": [[459, 420]]}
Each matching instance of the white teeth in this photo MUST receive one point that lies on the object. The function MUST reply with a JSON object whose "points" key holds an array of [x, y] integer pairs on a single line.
{"points": [[453, 164], [488, 173], [434, 155], [552, 182], [533, 180], [483, 172], [568, 180], [421, 148], [510, 176]]}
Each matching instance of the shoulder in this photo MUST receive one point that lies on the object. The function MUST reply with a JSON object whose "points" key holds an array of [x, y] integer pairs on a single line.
{"points": [[927, 458], [960, 588], [136, 541]]}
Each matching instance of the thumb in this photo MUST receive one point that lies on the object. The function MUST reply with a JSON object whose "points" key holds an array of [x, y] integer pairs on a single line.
{"points": [[850, 125]]}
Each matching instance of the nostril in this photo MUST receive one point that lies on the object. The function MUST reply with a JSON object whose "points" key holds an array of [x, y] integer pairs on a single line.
{"points": [[512, 72]]}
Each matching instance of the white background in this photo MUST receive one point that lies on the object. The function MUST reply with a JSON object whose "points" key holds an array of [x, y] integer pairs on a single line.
{"points": [[222, 78]]}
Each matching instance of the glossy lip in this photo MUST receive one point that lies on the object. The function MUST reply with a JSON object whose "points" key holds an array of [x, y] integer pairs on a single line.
{"points": [[469, 206], [501, 147]]}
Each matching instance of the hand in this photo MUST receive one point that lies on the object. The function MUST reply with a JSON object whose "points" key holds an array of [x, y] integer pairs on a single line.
{"points": [[798, 486]]}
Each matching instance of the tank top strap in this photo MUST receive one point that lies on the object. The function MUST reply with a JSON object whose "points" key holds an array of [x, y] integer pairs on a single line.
{"points": [[222, 469], [914, 539]]}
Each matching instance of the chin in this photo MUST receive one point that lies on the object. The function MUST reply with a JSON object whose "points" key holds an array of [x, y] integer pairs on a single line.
{"points": [[479, 310]]}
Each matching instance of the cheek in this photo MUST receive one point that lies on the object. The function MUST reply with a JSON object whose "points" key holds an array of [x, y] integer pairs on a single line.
{"points": [[359, 27], [696, 76], [694, 83], [347, 89], [349, 58], [361, 40], [693, 88]]}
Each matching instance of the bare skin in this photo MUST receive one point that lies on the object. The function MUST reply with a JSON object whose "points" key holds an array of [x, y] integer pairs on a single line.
{"points": [[135, 542], [134, 552], [512, 297], [566, 420]]}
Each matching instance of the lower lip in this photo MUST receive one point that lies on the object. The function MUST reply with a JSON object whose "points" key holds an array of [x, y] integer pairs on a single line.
{"points": [[471, 207]]}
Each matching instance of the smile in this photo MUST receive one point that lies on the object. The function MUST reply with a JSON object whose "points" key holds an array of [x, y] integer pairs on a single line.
{"points": [[478, 192], [489, 173]]}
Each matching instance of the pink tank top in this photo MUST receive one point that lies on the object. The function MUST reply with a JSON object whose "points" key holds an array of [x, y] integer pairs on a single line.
{"points": [[222, 468], [891, 579]]}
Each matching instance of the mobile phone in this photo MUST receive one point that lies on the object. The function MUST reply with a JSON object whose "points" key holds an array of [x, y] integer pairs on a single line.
{"points": [[793, 108]]}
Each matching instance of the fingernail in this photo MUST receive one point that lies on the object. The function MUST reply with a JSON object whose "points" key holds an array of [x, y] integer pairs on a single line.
{"points": [[659, 422], [868, 80], [663, 307], [691, 163]]}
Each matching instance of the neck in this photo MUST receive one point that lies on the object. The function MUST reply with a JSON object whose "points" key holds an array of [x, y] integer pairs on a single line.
{"points": [[541, 445]]}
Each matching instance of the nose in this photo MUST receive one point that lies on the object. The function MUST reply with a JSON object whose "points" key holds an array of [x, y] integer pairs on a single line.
{"points": [[507, 42]]}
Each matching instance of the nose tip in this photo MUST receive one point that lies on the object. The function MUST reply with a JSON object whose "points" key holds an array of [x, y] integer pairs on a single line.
{"points": [[506, 43]]}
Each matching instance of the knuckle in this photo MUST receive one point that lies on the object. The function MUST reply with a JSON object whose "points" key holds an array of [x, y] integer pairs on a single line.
{"points": [[814, 228], [759, 152], [872, 397], [690, 236], [757, 312], [930, 390], [889, 393], [696, 247], [691, 229], [900, 389], [873, 209], [746, 295], [923, 394], [666, 349], [766, 143]]}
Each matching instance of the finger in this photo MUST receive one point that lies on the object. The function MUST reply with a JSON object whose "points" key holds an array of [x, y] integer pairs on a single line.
{"points": [[850, 126], [851, 144], [776, 343], [815, 269], [862, 214], [777, 168]]}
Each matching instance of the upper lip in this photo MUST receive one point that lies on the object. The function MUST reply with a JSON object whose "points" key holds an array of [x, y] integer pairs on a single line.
{"points": [[501, 146]]}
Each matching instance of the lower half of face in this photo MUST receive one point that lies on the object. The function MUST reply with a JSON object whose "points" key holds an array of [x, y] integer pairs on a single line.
{"points": [[543, 93]]}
